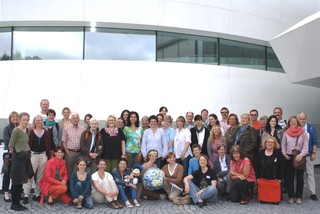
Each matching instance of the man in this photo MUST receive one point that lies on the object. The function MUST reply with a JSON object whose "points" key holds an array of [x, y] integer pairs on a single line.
{"points": [[224, 111], [189, 120], [277, 111], [71, 142], [254, 114], [44, 105], [311, 156], [204, 115]]}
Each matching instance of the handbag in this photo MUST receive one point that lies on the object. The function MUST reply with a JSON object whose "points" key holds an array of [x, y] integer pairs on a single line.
{"points": [[298, 164], [6, 163]]}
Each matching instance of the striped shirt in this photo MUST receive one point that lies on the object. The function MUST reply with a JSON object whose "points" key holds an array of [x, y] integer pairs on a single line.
{"points": [[71, 136]]}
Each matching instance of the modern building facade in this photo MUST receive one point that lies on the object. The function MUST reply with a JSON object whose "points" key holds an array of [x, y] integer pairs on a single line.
{"points": [[103, 56]]}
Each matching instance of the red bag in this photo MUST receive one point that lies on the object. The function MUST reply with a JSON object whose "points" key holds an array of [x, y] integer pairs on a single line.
{"points": [[269, 190]]}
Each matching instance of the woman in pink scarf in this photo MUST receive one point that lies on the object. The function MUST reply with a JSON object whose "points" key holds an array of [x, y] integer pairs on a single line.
{"points": [[294, 138]]}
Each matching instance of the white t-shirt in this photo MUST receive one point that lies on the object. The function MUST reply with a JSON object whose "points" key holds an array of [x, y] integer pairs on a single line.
{"points": [[180, 141], [95, 177]]}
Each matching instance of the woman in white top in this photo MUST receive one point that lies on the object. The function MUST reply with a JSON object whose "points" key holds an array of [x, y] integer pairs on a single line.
{"points": [[104, 187], [181, 144]]}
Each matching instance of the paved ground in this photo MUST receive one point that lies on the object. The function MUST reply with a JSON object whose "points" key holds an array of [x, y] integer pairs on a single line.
{"points": [[163, 207]]}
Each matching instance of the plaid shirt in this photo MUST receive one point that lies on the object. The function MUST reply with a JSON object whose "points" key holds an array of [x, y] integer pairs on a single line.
{"points": [[71, 136]]}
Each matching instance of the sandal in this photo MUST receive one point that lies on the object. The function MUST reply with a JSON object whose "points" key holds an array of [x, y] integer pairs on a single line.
{"points": [[113, 205], [119, 205], [136, 203], [79, 206], [128, 205]]}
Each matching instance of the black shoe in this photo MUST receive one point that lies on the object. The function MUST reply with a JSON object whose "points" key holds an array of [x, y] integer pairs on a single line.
{"points": [[36, 198], [18, 207], [227, 197], [25, 200], [6, 200], [314, 197]]}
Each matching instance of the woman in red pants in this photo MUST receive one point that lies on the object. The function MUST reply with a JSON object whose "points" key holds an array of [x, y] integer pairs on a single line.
{"points": [[54, 181]]}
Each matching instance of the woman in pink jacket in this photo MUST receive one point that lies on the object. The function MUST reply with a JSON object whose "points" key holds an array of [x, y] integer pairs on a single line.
{"points": [[294, 138]]}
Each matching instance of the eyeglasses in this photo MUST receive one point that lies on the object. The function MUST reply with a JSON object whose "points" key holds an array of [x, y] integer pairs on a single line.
{"points": [[253, 115], [270, 142], [224, 112]]}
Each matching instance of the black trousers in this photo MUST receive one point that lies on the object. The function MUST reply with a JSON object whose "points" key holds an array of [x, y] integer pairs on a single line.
{"points": [[16, 191], [290, 175], [239, 190]]}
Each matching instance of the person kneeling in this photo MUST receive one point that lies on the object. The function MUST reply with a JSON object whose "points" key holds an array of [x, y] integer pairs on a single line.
{"points": [[203, 187], [104, 187]]}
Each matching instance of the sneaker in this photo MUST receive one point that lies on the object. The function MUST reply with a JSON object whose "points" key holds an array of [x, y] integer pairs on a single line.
{"points": [[113, 205], [298, 201], [244, 202], [36, 198], [25, 200], [290, 201], [314, 197]]}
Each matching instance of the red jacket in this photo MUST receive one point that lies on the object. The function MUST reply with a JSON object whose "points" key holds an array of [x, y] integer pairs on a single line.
{"points": [[49, 175]]}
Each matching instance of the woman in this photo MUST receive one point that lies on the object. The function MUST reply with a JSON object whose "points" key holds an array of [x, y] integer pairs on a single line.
{"points": [[21, 168], [120, 174], [168, 132], [66, 117], [54, 181], [173, 184], [154, 138], [87, 119], [150, 163], [202, 184], [181, 144], [272, 129], [160, 118], [125, 115], [7, 131], [222, 168], [233, 121], [121, 123], [294, 137], [242, 175], [213, 120], [270, 171], [200, 134], [133, 134], [54, 129], [246, 138], [114, 145], [80, 186], [145, 123], [163, 110], [39, 142], [194, 162], [104, 188], [215, 139], [91, 146]]}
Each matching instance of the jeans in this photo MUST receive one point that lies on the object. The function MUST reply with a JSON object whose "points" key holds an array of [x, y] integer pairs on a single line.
{"points": [[225, 186], [209, 194], [185, 164], [87, 201], [122, 192]]}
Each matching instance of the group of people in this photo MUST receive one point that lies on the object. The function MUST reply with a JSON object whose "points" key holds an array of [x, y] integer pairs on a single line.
{"points": [[201, 158]]}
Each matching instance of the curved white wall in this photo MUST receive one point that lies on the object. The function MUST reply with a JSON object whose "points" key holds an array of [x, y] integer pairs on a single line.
{"points": [[259, 19]]}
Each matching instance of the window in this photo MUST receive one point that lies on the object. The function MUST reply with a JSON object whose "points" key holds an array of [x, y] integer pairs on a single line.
{"points": [[242, 54], [120, 44], [47, 43], [273, 64], [173, 47], [5, 43]]}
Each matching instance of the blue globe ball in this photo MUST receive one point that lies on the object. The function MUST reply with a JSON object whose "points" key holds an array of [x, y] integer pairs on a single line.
{"points": [[153, 179]]}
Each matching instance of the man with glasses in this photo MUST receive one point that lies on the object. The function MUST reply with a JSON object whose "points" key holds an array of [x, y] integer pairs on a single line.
{"points": [[224, 119], [255, 123]]}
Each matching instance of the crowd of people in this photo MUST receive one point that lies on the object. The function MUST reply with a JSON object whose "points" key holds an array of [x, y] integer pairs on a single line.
{"points": [[202, 157]]}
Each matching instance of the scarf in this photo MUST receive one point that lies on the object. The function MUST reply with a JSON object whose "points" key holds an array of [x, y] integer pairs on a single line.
{"points": [[239, 133], [48, 123], [295, 131], [199, 130], [58, 163], [111, 133]]}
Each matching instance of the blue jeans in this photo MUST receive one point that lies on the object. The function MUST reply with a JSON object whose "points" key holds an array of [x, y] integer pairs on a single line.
{"points": [[209, 194], [122, 192], [185, 164], [87, 201]]}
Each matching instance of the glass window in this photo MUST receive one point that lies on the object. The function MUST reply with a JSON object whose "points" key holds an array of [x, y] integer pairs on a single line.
{"points": [[173, 47], [119, 44], [242, 54], [273, 64], [5, 43], [48, 43]]}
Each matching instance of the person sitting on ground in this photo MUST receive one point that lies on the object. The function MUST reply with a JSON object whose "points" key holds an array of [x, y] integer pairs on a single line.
{"points": [[194, 162]]}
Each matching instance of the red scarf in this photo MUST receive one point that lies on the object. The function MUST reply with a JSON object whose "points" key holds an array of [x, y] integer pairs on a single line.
{"points": [[295, 131]]}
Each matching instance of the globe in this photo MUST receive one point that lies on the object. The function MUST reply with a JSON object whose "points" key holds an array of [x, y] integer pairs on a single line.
{"points": [[153, 179]]}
